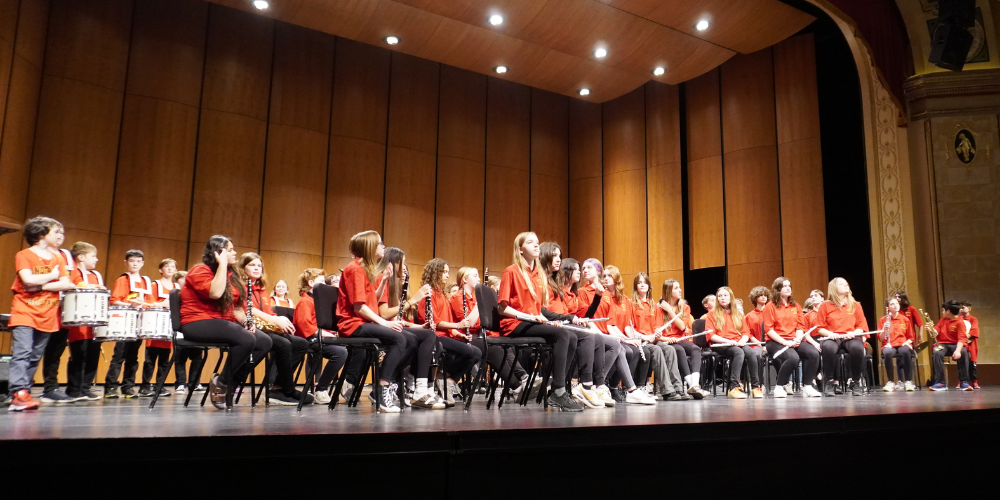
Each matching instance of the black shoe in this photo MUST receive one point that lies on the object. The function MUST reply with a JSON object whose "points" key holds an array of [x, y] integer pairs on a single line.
{"points": [[828, 391], [618, 394], [128, 393], [145, 392], [111, 393], [299, 395], [676, 397], [837, 389], [855, 389], [164, 393], [279, 398], [564, 402], [87, 395]]}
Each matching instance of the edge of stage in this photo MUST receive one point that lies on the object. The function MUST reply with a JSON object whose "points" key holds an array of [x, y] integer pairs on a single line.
{"points": [[459, 450]]}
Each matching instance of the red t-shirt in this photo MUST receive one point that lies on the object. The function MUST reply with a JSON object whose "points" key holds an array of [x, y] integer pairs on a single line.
{"points": [[674, 330], [728, 330], [304, 318], [39, 310], [440, 309], [784, 320], [951, 331], [973, 337], [809, 321], [899, 330], [276, 302], [128, 287], [647, 317], [355, 288], [913, 316], [196, 305], [514, 291], [584, 297], [619, 313], [754, 319], [457, 313], [839, 319]]}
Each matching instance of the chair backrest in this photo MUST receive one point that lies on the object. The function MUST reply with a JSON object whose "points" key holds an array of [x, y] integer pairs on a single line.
{"points": [[697, 327], [287, 312], [486, 302], [325, 297], [175, 309]]}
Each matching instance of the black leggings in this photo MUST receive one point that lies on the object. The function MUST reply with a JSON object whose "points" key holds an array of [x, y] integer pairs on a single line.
{"points": [[398, 346], [242, 344], [287, 352], [50, 362], [586, 355], [855, 347], [737, 356], [336, 356], [82, 368], [498, 362], [903, 359], [789, 361], [558, 338], [688, 357], [127, 353], [462, 356]]}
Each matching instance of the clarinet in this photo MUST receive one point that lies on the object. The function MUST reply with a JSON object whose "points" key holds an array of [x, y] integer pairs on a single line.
{"points": [[402, 294], [465, 313], [429, 311], [486, 276], [248, 303]]}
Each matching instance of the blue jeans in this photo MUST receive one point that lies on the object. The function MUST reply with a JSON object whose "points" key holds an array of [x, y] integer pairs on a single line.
{"points": [[28, 345]]}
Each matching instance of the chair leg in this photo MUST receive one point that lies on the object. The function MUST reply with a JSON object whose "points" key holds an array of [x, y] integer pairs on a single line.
{"points": [[159, 386], [510, 380], [544, 364], [371, 357], [480, 373], [231, 387], [340, 379], [376, 385]]}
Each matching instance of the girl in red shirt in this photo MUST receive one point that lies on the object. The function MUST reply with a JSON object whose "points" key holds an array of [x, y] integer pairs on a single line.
{"points": [[646, 316], [784, 326], [838, 316], [213, 311], [357, 315], [593, 273], [287, 348], [729, 338], [897, 343], [451, 336], [630, 366], [562, 307], [280, 296], [676, 322], [523, 292]]}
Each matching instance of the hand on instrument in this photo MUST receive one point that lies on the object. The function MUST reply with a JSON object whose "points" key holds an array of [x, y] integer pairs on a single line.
{"points": [[465, 323], [423, 292], [285, 324], [395, 325], [579, 321], [648, 338], [908, 343], [138, 304], [459, 335]]}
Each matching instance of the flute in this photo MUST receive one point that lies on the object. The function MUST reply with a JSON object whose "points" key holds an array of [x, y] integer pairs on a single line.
{"points": [[562, 324], [797, 338], [706, 332]]}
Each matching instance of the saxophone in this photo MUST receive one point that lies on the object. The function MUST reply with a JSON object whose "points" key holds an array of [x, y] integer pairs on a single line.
{"points": [[929, 324], [253, 321]]}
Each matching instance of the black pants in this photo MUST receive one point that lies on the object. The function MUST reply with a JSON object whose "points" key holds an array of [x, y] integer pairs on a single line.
{"points": [[558, 338], [126, 353], [496, 360], [973, 372], [398, 347], [789, 361], [462, 356], [942, 350], [688, 357], [82, 368], [158, 359], [854, 347], [904, 360], [586, 355], [181, 356], [738, 356], [335, 355], [287, 351], [243, 345], [50, 360], [639, 366]]}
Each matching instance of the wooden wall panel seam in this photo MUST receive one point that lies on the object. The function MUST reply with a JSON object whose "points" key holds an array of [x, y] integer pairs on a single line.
{"points": [[118, 153], [267, 129], [10, 74], [197, 136], [329, 143]]}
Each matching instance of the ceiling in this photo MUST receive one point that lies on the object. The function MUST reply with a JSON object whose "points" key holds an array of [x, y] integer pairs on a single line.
{"points": [[549, 44]]}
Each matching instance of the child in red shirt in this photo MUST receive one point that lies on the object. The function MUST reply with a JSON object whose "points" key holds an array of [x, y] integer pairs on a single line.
{"points": [[304, 319], [135, 290], [841, 320], [157, 358], [34, 310], [729, 338], [84, 353], [951, 341], [972, 326], [676, 322], [897, 342], [646, 316]]}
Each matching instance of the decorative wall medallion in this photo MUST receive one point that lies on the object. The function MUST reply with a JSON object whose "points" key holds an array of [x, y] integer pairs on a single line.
{"points": [[965, 146]]}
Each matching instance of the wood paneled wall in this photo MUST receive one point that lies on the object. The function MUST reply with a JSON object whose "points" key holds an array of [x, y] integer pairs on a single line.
{"points": [[624, 172], [665, 213], [706, 214]]}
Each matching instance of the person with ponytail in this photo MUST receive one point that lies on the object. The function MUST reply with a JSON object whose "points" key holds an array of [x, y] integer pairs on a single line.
{"points": [[677, 322], [213, 301], [523, 292], [729, 338]]}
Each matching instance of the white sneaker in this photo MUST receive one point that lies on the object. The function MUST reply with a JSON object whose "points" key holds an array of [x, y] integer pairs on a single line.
{"points": [[587, 397], [639, 397], [789, 388], [345, 393], [321, 398], [605, 394], [649, 389], [779, 392], [889, 386], [810, 392], [909, 386]]}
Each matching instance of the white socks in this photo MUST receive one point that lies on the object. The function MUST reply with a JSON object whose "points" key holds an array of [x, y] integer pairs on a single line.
{"points": [[421, 387]]}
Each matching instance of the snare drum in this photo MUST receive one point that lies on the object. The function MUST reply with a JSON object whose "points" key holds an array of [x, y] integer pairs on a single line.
{"points": [[85, 307], [154, 324], [101, 334], [123, 323]]}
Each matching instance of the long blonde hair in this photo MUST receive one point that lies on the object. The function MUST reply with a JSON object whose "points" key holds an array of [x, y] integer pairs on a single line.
{"points": [[461, 274], [522, 265], [365, 245], [619, 290], [720, 315], [833, 296]]}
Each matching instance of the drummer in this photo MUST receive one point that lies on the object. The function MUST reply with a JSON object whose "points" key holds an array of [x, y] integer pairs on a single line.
{"points": [[84, 353], [134, 290], [157, 356]]}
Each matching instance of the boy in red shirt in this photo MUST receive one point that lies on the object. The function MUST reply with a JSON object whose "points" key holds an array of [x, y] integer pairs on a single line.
{"points": [[84, 353], [34, 310], [951, 341], [135, 290], [157, 358]]}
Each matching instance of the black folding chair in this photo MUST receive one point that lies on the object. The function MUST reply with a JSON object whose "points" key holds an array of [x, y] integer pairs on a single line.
{"points": [[325, 297], [204, 347], [709, 358], [489, 320]]}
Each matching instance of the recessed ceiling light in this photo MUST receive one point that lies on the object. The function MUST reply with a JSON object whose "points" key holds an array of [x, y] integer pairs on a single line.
{"points": [[391, 39], [500, 69], [702, 25], [495, 20], [600, 52], [261, 4], [583, 91], [659, 71]]}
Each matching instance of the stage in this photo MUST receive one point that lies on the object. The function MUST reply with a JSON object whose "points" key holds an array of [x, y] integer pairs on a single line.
{"points": [[455, 448]]}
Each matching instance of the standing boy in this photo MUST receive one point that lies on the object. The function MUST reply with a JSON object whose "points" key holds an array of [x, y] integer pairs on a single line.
{"points": [[134, 290]]}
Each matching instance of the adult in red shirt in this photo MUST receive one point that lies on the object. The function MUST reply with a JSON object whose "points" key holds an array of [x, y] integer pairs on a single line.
{"points": [[784, 327], [972, 325], [729, 338], [840, 320], [951, 340], [213, 301], [357, 316], [897, 344], [523, 292]]}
